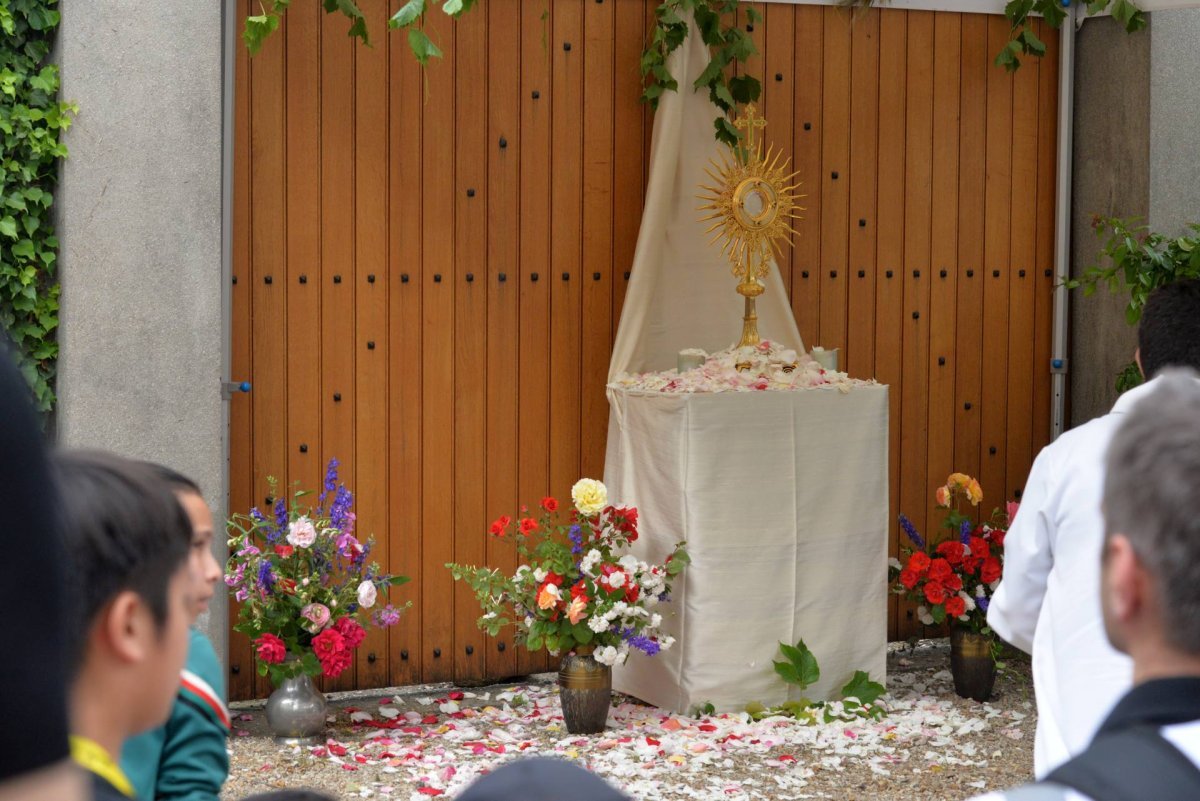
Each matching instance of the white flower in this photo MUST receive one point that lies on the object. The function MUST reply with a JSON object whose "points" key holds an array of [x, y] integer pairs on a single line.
{"points": [[616, 580], [522, 570], [528, 621], [539, 575], [590, 560], [606, 655], [301, 533], [980, 592], [598, 624], [665, 643], [629, 562], [655, 620], [924, 616], [590, 496], [366, 595], [489, 616], [895, 563], [968, 600], [620, 608]]}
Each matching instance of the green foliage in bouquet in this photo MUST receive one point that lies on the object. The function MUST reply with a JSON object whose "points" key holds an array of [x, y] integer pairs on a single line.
{"points": [[305, 584], [573, 589]]}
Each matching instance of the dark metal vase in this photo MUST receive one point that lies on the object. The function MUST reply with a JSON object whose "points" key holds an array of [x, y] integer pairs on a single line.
{"points": [[586, 691], [971, 664], [296, 712]]}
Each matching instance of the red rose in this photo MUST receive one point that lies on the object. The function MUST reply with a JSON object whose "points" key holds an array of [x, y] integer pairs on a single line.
{"points": [[935, 593], [954, 583], [550, 504], [527, 526], [333, 666], [919, 561], [500, 525], [979, 548], [991, 570], [997, 537], [940, 571], [954, 551], [909, 577], [284, 550], [956, 606], [351, 632], [328, 642], [271, 649], [632, 593]]}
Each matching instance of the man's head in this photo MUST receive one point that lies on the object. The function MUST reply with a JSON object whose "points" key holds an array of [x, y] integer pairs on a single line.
{"points": [[205, 570], [128, 540], [1151, 582], [1169, 332]]}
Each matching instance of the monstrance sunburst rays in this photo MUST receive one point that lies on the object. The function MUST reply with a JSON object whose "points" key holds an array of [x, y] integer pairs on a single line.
{"points": [[752, 206]]}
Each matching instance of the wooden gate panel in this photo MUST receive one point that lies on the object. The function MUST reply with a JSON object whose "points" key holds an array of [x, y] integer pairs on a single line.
{"points": [[859, 359], [834, 181], [808, 127]]}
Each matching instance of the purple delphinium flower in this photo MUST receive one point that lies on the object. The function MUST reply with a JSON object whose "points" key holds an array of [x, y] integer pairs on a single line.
{"points": [[257, 515], [281, 522], [339, 508], [911, 531], [266, 579], [644, 644], [576, 536], [982, 603], [964, 532], [331, 473]]}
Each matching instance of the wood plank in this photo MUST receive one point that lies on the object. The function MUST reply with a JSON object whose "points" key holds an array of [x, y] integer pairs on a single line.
{"points": [[835, 180], [997, 228], [241, 674], [779, 102], [859, 358], [503, 282], [889, 286], [1023, 266], [405, 352], [630, 117], [533, 386], [808, 78], [1044, 266], [371, 317], [338, 354], [470, 334], [968, 351], [303, 63], [918, 176], [947, 67], [438, 286], [597, 274], [268, 242]]}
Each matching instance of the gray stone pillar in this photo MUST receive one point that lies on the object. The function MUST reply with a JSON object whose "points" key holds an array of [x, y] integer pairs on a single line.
{"points": [[143, 335], [1174, 132], [1110, 177]]}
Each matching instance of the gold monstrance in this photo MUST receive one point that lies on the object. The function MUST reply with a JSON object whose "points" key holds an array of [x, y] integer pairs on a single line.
{"points": [[753, 207]]}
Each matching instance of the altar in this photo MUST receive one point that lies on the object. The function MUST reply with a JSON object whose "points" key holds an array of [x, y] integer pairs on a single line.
{"points": [[782, 498]]}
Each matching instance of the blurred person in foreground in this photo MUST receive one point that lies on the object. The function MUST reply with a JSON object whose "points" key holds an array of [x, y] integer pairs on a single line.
{"points": [[541, 779], [1148, 747], [130, 578], [34, 757], [186, 760], [1048, 601]]}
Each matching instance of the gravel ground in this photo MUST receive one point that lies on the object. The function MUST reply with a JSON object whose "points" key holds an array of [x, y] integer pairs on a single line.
{"points": [[415, 743]]}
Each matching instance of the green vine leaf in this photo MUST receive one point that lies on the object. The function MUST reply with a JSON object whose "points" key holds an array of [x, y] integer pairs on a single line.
{"points": [[409, 13], [422, 46]]}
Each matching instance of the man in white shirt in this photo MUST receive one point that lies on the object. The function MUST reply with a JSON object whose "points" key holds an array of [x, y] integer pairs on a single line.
{"points": [[1148, 747], [1048, 600]]}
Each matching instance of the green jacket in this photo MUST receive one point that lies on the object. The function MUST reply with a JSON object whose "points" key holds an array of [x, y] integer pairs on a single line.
{"points": [[185, 760]]}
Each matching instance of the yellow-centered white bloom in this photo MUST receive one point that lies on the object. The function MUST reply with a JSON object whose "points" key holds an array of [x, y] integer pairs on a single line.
{"points": [[590, 496]]}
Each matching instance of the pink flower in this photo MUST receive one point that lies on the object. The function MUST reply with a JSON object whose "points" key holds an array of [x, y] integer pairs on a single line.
{"points": [[1011, 507], [302, 533], [366, 595], [271, 649], [317, 616]]}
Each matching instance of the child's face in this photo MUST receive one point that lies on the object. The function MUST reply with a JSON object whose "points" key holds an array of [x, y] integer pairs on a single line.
{"points": [[202, 566]]}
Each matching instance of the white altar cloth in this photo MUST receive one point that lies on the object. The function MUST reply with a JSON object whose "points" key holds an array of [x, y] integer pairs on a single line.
{"points": [[783, 500]]}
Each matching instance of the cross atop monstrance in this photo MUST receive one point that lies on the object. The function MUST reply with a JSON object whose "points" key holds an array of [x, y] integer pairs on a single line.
{"points": [[753, 206]]}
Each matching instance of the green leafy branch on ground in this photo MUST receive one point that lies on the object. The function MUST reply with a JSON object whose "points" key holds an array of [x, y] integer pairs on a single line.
{"points": [[1139, 260], [859, 696], [32, 121], [717, 21]]}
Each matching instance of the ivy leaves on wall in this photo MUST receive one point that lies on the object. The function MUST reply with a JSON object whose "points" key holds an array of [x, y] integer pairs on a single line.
{"points": [[1025, 43], [32, 121], [716, 20]]}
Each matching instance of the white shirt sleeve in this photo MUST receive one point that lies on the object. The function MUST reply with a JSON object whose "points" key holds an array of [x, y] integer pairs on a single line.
{"points": [[1028, 557]]}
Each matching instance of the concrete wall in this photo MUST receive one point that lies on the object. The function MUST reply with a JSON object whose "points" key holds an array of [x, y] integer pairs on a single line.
{"points": [[1174, 128], [1110, 177], [142, 336]]}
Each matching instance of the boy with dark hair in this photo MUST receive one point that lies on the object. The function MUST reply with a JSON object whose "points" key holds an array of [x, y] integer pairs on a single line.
{"points": [[127, 540], [1048, 601], [186, 759]]}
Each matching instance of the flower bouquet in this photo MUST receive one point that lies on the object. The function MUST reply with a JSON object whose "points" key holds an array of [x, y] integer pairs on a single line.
{"points": [[305, 583], [572, 589], [954, 578]]}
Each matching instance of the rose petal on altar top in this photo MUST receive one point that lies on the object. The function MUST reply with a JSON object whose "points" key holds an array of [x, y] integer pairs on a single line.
{"points": [[429, 719], [456, 696], [430, 791], [671, 724], [389, 712], [360, 716]]}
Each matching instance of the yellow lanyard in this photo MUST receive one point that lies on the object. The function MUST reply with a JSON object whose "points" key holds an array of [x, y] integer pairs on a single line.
{"points": [[92, 757]]}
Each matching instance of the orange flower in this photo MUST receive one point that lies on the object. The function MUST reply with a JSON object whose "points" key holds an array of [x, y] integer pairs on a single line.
{"points": [[942, 496], [958, 481], [548, 596], [577, 611], [974, 492]]}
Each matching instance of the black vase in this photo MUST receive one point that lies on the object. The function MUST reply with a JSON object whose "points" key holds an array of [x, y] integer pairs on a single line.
{"points": [[971, 664]]}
